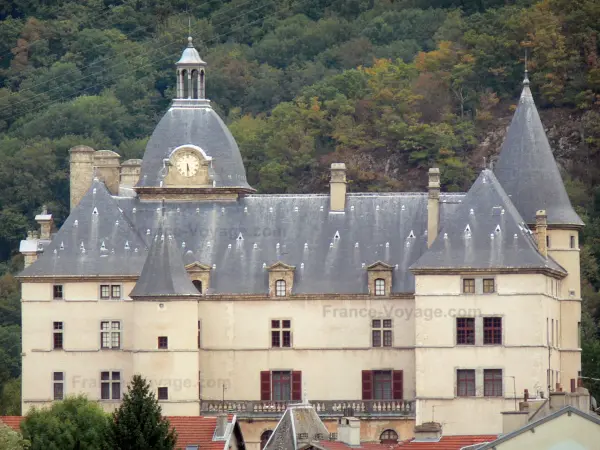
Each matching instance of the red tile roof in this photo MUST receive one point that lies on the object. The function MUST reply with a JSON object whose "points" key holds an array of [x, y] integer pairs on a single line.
{"points": [[446, 443], [12, 421], [191, 430]]}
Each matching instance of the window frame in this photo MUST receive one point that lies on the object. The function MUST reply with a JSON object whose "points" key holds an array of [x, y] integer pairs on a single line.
{"points": [[466, 381], [472, 289], [110, 331], [112, 383], [103, 288], [277, 378], [163, 342], [281, 333], [572, 242], [463, 331], [492, 381], [200, 288], [490, 336], [379, 392], [383, 329], [379, 287], [280, 288], [56, 332], [56, 383], [58, 289], [387, 437], [164, 390], [486, 288]]}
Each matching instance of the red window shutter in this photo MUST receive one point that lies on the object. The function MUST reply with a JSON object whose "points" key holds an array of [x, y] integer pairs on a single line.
{"points": [[265, 385], [397, 384], [367, 385], [296, 385]]}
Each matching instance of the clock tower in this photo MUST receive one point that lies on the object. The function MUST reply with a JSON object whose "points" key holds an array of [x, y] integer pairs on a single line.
{"points": [[192, 155]]}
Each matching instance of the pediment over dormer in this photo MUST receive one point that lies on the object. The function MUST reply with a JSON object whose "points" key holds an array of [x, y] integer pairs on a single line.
{"points": [[197, 267], [280, 267], [380, 265]]}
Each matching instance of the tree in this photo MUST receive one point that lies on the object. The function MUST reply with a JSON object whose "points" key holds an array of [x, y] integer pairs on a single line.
{"points": [[138, 424], [11, 440], [73, 424]]}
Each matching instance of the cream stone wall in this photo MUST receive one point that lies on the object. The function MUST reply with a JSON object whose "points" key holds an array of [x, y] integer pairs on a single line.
{"points": [[566, 432]]}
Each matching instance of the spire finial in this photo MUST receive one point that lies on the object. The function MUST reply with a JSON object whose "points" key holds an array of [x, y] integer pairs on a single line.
{"points": [[190, 43], [526, 79]]}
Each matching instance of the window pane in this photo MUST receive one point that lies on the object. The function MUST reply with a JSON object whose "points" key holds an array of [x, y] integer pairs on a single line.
{"points": [[275, 339], [58, 340], [376, 323], [376, 338], [105, 391], [382, 385], [116, 340], [282, 386], [116, 291], [492, 330], [116, 391], [387, 323], [387, 338], [280, 288], [379, 286], [466, 383], [58, 391], [58, 376], [105, 340], [274, 323], [57, 291], [286, 323], [287, 339], [116, 376], [58, 325], [104, 290], [465, 331], [492, 382], [488, 285], [105, 376], [469, 285], [104, 326], [163, 393]]}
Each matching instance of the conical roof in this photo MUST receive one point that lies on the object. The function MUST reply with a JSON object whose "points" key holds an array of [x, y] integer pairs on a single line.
{"points": [[485, 232], [527, 170], [298, 428], [164, 274]]}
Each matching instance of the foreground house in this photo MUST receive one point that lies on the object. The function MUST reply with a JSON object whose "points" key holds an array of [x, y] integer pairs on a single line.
{"points": [[401, 308]]}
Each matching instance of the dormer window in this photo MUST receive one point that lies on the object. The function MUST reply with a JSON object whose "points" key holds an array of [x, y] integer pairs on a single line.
{"points": [[200, 275], [379, 286], [280, 288], [379, 277], [198, 285], [281, 279]]}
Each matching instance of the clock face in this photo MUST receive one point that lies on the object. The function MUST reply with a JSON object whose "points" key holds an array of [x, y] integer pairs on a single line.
{"points": [[187, 163]]}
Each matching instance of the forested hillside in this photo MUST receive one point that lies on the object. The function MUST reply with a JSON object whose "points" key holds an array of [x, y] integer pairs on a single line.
{"points": [[390, 87]]}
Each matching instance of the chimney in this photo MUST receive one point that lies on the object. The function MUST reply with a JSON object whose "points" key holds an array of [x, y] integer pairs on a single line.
{"points": [[130, 172], [30, 248], [221, 428], [349, 431], [46, 223], [108, 169], [513, 420], [541, 230], [433, 205], [81, 159], [428, 432], [337, 187]]}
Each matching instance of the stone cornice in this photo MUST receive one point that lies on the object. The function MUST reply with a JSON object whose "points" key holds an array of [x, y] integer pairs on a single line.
{"points": [[504, 271]]}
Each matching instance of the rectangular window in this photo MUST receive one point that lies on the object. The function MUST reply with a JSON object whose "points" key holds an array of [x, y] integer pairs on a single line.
{"points": [[381, 333], [469, 285], [281, 385], [547, 241], [110, 334], [465, 380], [115, 291], [557, 335], [578, 334], [163, 393], [379, 286], [465, 331], [163, 342], [110, 385], [199, 341], [280, 288], [57, 292], [281, 333], [57, 338], [552, 332], [492, 330], [492, 382], [573, 244], [489, 286], [104, 291], [382, 385], [58, 380]]}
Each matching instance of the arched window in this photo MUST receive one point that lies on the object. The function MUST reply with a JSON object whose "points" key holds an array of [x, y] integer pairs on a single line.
{"points": [[184, 84], [280, 288], [198, 285], [195, 84], [389, 437], [379, 286], [264, 438], [201, 84]]}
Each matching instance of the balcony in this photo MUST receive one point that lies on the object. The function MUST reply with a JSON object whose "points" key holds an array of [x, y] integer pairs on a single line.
{"points": [[325, 408]]}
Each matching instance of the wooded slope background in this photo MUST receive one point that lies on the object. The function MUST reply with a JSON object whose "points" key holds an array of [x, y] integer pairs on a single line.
{"points": [[390, 87]]}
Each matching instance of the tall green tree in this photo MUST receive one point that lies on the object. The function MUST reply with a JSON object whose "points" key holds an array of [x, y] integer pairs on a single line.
{"points": [[138, 424], [73, 424], [11, 440]]}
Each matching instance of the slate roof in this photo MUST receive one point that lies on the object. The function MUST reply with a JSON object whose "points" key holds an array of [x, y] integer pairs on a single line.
{"points": [[445, 443], [298, 427], [486, 232], [190, 55], [194, 122], [96, 239], [527, 170], [297, 230], [164, 274]]}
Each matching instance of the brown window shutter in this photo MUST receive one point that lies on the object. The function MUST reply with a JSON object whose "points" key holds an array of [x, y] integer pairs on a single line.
{"points": [[367, 385], [296, 385], [397, 384], [265, 385]]}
